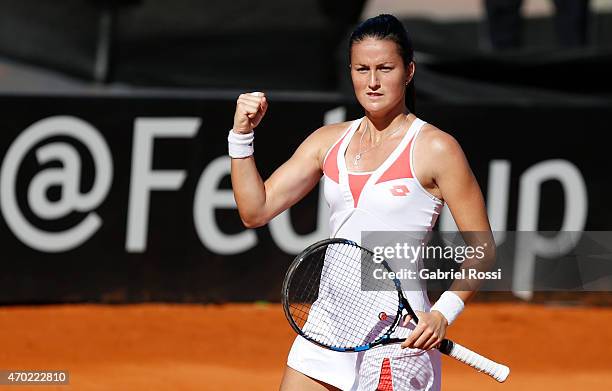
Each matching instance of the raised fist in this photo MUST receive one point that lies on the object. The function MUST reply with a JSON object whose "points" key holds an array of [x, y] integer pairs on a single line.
{"points": [[250, 109]]}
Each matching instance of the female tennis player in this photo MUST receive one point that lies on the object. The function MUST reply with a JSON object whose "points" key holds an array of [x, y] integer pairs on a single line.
{"points": [[388, 170]]}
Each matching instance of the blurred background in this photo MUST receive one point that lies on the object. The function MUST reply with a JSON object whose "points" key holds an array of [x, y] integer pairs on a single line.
{"points": [[467, 50], [114, 181]]}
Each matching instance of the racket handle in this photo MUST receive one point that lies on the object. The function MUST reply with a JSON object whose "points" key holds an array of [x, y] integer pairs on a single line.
{"points": [[497, 371]]}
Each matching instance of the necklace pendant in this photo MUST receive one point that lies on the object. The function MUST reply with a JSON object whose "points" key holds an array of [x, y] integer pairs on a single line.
{"points": [[357, 158]]}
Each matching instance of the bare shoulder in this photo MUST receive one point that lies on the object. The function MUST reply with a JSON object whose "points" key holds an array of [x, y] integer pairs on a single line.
{"points": [[437, 143], [323, 138], [328, 134], [438, 153]]}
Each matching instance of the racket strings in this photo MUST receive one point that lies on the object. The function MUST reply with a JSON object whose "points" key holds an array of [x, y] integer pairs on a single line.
{"points": [[347, 279], [304, 292], [347, 290], [331, 303]]}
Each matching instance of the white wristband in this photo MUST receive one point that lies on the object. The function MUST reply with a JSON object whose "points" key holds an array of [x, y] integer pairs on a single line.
{"points": [[450, 305], [240, 145]]}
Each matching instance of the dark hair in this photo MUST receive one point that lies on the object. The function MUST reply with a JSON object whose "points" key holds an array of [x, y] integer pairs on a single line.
{"points": [[387, 26]]}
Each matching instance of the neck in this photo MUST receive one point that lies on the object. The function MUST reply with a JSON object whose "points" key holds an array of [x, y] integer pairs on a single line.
{"points": [[380, 125]]}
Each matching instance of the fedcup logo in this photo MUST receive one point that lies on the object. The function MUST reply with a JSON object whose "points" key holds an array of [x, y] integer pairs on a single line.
{"points": [[67, 177]]}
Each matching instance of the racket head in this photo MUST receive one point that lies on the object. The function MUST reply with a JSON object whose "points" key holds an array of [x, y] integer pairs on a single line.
{"points": [[326, 301]]}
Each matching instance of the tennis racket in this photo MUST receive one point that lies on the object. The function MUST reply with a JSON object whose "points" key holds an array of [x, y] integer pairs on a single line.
{"points": [[327, 302]]}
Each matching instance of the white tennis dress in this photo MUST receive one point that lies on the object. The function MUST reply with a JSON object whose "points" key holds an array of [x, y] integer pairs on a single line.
{"points": [[388, 199]]}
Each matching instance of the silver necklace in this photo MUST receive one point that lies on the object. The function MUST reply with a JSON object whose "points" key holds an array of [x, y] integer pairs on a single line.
{"points": [[359, 153]]}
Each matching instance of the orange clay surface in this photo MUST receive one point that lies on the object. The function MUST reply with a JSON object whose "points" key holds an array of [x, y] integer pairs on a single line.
{"points": [[244, 346]]}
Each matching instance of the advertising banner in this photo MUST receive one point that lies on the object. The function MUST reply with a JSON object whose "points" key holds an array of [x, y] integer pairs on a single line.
{"points": [[128, 199]]}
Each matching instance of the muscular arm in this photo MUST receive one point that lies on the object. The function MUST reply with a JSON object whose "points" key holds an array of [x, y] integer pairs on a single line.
{"points": [[444, 170], [258, 201], [459, 189]]}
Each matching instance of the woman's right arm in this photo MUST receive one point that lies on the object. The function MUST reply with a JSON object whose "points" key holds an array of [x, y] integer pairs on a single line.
{"points": [[258, 201]]}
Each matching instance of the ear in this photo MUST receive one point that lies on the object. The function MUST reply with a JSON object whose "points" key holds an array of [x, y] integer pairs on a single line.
{"points": [[410, 69]]}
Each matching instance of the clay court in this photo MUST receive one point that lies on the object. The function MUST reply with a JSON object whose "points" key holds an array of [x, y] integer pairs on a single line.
{"points": [[244, 346]]}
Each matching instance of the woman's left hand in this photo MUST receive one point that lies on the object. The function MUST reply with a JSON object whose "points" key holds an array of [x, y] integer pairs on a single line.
{"points": [[428, 333]]}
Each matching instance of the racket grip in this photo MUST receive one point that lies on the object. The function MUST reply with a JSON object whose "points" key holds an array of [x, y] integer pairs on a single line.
{"points": [[497, 371]]}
